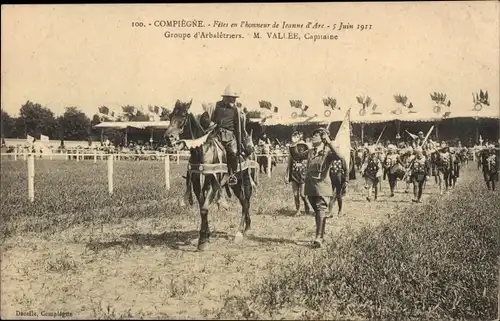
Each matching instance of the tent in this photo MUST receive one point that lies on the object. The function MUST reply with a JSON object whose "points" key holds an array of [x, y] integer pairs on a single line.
{"points": [[458, 122], [151, 125]]}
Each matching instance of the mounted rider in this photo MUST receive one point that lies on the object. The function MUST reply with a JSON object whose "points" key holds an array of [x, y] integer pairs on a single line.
{"points": [[226, 116]]}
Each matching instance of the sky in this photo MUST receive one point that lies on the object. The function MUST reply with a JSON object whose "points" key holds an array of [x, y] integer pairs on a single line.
{"points": [[90, 55]]}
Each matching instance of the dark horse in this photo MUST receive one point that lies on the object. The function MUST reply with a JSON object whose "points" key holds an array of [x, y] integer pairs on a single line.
{"points": [[207, 152]]}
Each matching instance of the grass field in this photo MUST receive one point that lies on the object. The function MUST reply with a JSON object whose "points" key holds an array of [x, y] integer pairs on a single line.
{"points": [[80, 251]]}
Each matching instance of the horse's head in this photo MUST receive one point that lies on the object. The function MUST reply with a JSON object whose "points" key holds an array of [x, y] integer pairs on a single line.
{"points": [[178, 119]]}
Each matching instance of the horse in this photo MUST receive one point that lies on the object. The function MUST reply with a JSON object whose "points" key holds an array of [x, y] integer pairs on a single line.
{"points": [[207, 152]]}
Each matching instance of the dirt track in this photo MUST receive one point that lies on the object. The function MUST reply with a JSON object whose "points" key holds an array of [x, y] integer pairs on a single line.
{"points": [[150, 267]]}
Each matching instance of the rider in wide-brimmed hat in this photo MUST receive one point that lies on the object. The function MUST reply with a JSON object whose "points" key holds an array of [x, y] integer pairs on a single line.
{"points": [[226, 115]]}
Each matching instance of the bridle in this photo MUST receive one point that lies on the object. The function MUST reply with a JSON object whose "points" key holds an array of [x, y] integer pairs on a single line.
{"points": [[183, 124]]}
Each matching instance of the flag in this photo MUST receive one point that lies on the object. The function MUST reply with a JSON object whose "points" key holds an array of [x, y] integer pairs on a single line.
{"points": [[44, 139], [343, 139], [30, 139], [265, 104]]}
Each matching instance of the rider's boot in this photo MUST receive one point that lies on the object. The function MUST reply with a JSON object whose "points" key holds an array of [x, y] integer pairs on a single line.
{"points": [[232, 167]]}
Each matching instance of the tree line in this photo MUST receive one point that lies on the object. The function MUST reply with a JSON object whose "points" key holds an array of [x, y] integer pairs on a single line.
{"points": [[35, 120]]}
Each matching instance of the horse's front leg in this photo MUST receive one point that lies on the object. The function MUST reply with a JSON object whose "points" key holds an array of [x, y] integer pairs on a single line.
{"points": [[204, 230], [201, 196], [188, 195], [243, 190]]}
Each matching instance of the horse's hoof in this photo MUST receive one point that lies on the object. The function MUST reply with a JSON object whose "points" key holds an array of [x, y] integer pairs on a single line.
{"points": [[238, 237], [202, 246]]}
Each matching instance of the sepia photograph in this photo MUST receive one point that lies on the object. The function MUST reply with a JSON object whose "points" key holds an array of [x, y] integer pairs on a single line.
{"points": [[250, 161]]}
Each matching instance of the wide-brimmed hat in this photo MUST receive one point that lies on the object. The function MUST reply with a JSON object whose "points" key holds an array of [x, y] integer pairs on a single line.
{"points": [[229, 92]]}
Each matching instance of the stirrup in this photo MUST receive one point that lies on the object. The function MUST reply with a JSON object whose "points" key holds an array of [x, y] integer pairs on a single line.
{"points": [[232, 180]]}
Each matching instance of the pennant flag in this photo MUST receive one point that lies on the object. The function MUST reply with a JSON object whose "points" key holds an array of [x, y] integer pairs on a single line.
{"points": [[343, 138], [44, 139], [209, 108]]}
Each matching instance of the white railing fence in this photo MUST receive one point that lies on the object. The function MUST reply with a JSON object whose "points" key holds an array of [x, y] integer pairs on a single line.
{"points": [[79, 155]]}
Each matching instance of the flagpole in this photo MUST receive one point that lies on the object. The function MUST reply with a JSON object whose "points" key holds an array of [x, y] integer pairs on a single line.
{"points": [[345, 117], [380, 136]]}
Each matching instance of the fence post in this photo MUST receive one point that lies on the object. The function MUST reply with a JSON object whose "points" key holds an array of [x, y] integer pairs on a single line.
{"points": [[95, 156], [31, 177], [167, 172], [67, 155], [178, 157], [15, 154], [269, 162], [110, 174], [24, 155]]}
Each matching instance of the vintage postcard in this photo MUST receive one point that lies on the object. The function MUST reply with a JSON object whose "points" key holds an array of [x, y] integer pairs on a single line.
{"points": [[334, 161]]}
